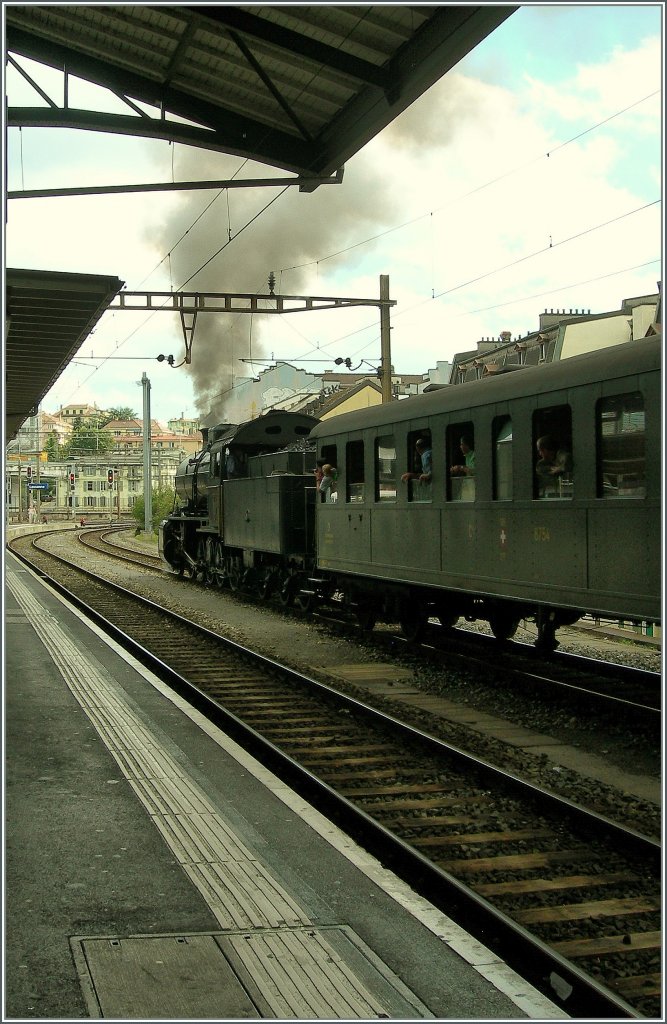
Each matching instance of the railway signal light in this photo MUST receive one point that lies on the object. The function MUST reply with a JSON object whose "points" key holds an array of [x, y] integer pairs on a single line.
{"points": [[72, 481], [110, 477], [29, 471]]}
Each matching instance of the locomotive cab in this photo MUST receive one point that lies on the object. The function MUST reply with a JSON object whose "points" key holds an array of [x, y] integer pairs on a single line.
{"points": [[244, 504]]}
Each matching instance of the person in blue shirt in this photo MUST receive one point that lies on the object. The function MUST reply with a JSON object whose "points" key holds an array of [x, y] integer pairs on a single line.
{"points": [[426, 455]]}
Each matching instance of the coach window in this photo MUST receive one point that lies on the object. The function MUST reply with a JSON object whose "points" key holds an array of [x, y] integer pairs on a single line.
{"points": [[419, 490], [502, 458], [621, 448], [385, 468], [461, 461], [354, 471], [329, 454], [552, 452]]}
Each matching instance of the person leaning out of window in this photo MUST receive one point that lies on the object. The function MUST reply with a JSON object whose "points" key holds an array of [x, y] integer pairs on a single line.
{"points": [[553, 465], [425, 454], [466, 468]]}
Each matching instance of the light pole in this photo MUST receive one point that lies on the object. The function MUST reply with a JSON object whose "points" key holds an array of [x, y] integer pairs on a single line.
{"points": [[148, 511]]}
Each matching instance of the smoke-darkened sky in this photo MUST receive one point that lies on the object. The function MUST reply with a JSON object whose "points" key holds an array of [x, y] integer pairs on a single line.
{"points": [[294, 231]]}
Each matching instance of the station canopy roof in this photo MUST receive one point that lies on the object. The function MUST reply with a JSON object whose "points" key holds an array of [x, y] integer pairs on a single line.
{"points": [[48, 316], [300, 87]]}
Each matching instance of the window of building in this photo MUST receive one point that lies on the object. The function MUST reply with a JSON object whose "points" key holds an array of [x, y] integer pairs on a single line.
{"points": [[385, 468], [553, 452], [460, 462], [420, 460], [354, 471], [621, 446], [502, 458]]}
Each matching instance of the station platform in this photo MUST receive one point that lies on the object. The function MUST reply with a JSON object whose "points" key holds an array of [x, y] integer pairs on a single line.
{"points": [[154, 870]]}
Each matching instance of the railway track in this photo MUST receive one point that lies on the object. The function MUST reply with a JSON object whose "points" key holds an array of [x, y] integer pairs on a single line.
{"points": [[588, 686], [570, 899], [585, 683], [105, 541]]}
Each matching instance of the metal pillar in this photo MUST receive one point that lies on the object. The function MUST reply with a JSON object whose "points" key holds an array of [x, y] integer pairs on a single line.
{"points": [[385, 342], [148, 511]]}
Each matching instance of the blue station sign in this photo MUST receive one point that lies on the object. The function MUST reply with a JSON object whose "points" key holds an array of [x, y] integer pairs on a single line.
{"points": [[41, 486]]}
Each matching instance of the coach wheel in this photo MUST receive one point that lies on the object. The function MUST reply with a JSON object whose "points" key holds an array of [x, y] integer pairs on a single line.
{"points": [[366, 617], [503, 623], [412, 619], [447, 619], [546, 631]]}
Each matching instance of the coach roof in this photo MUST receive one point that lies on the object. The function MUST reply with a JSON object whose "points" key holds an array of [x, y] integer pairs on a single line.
{"points": [[618, 360]]}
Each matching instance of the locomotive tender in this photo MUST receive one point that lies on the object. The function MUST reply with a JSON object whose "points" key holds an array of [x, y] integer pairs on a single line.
{"points": [[494, 545]]}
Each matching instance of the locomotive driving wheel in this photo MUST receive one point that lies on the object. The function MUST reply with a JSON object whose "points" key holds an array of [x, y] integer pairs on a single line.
{"points": [[234, 574], [209, 560], [287, 591], [218, 565], [267, 584], [304, 603]]}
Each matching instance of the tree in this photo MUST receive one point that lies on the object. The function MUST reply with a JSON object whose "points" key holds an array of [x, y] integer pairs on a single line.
{"points": [[162, 503], [87, 439], [120, 412], [53, 448]]}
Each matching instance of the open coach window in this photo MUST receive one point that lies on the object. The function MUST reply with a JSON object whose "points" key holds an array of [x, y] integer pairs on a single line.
{"points": [[621, 446], [552, 452], [502, 458], [354, 471], [418, 459], [385, 468], [461, 461]]}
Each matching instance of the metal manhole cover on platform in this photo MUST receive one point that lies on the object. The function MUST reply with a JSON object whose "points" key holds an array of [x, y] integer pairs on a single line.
{"points": [[285, 973]]}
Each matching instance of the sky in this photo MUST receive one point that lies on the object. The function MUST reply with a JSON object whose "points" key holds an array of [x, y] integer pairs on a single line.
{"points": [[528, 178]]}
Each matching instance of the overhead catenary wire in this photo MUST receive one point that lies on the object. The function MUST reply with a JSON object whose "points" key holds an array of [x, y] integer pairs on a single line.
{"points": [[405, 224]]}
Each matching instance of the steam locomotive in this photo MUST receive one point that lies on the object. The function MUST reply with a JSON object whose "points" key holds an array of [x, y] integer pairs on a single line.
{"points": [[493, 544]]}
